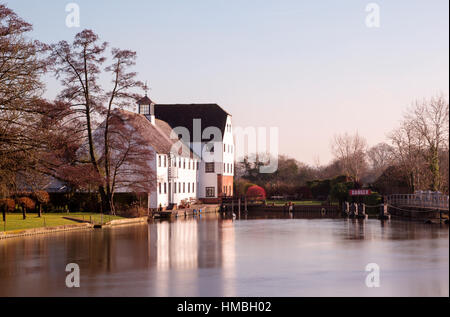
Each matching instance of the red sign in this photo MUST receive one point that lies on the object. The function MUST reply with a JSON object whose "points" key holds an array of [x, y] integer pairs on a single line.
{"points": [[360, 192]]}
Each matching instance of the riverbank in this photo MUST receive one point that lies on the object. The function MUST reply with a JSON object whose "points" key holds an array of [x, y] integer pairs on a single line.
{"points": [[46, 230], [65, 222], [15, 221]]}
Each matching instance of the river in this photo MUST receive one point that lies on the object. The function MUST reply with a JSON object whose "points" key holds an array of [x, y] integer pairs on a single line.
{"points": [[254, 255]]}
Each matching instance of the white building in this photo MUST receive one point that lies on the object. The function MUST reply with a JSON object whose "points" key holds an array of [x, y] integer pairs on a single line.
{"points": [[194, 151]]}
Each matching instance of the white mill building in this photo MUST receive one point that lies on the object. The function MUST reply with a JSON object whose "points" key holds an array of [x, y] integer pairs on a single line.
{"points": [[188, 174]]}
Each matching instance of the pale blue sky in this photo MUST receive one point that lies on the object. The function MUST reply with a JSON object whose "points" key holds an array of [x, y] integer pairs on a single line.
{"points": [[311, 68]]}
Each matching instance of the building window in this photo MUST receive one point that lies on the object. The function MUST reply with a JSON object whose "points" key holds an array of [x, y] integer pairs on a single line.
{"points": [[184, 188], [159, 160], [165, 161], [184, 163], [145, 109], [160, 188], [193, 187], [179, 188], [224, 148], [209, 167], [210, 192], [165, 188], [189, 187], [198, 165], [175, 187]]}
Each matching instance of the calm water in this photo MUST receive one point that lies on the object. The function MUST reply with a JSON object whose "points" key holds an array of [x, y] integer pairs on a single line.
{"points": [[212, 256]]}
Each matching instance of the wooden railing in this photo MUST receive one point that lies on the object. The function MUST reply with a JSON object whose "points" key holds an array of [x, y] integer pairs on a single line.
{"points": [[420, 200]]}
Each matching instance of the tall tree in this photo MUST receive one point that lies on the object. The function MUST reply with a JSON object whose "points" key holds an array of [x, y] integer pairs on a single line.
{"points": [[22, 64], [79, 66], [380, 158], [430, 120], [128, 155], [350, 150], [408, 154]]}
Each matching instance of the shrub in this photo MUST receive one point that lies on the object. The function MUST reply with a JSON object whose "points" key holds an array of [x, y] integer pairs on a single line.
{"points": [[339, 192], [304, 192], [373, 200], [26, 202], [8, 203], [42, 197], [256, 193]]}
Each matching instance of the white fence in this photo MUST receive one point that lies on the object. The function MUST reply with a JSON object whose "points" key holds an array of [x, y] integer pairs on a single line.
{"points": [[420, 199]]}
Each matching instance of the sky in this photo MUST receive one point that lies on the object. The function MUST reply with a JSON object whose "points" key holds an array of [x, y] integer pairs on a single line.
{"points": [[313, 69]]}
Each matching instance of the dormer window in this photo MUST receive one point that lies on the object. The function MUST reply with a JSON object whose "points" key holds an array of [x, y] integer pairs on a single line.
{"points": [[145, 109]]}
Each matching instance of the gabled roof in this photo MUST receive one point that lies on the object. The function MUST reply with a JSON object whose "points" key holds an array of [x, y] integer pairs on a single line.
{"points": [[183, 115], [157, 136], [144, 101]]}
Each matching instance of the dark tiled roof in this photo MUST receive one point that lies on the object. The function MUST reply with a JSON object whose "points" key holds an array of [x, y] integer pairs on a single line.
{"points": [[183, 115]]}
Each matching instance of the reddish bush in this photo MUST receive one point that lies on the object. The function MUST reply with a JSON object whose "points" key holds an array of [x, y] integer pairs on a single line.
{"points": [[26, 203], [8, 203], [42, 197], [256, 193]]}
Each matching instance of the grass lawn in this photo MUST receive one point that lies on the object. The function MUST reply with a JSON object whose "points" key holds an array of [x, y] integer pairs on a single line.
{"points": [[15, 222], [295, 202]]}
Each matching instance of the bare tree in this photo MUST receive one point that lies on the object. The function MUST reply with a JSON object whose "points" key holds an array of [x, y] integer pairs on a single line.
{"points": [[128, 157], [408, 153], [22, 64], [380, 158], [430, 121], [350, 150], [79, 65]]}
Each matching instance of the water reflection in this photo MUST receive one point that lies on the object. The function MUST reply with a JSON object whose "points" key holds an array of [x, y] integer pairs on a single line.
{"points": [[176, 244], [253, 255]]}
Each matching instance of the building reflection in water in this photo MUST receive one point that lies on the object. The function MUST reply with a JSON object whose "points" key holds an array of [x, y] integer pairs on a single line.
{"points": [[228, 258], [183, 250], [176, 244]]}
